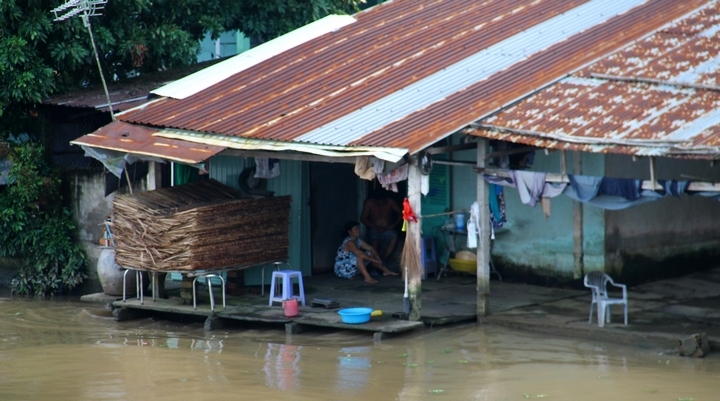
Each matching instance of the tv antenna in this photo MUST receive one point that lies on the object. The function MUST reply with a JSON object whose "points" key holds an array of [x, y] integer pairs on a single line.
{"points": [[86, 9]]}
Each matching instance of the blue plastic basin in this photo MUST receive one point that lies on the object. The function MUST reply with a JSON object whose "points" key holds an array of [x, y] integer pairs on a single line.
{"points": [[355, 315]]}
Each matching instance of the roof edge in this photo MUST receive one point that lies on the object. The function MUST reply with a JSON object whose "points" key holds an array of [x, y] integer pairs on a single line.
{"points": [[210, 76]]}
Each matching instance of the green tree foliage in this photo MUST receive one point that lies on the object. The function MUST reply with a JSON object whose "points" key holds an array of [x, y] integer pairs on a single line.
{"points": [[36, 227], [39, 57]]}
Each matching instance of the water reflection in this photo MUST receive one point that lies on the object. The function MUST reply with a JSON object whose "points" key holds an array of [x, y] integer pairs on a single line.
{"points": [[64, 351], [281, 366], [353, 369]]}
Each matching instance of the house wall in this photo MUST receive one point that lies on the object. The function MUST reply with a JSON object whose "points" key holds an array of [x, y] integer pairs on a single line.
{"points": [[90, 207], [293, 181], [667, 237], [531, 247]]}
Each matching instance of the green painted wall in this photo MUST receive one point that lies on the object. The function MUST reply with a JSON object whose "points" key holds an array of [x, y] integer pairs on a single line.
{"points": [[293, 181], [530, 243]]}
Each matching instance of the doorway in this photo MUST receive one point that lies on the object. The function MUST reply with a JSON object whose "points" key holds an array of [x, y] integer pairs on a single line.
{"points": [[334, 200]]}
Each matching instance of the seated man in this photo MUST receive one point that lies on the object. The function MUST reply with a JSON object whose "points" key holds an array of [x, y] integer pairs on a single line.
{"points": [[381, 215]]}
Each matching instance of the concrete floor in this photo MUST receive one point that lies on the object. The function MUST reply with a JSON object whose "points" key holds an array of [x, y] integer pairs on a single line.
{"points": [[660, 313]]}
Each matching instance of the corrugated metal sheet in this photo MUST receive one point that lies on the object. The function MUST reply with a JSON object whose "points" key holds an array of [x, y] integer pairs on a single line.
{"points": [[409, 73], [210, 76], [659, 96], [126, 94], [136, 139], [392, 155]]}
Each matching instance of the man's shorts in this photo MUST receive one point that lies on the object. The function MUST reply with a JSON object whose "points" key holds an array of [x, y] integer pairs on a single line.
{"points": [[386, 236]]}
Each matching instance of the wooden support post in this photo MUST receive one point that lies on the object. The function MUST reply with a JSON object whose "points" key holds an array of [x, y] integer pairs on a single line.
{"points": [[413, 234], [563, 163], [578, 237], [653, 178], [483, 252], [154, 176]]}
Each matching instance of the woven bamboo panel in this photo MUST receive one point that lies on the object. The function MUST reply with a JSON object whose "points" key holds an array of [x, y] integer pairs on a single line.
{"points": [[199, 226]]}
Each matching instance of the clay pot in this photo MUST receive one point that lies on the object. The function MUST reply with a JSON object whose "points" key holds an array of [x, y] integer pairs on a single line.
{"points": [[111, 275]]}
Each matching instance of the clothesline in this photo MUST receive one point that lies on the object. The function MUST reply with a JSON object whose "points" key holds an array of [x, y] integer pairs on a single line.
{"points": [[645, 185], [443, 214]]}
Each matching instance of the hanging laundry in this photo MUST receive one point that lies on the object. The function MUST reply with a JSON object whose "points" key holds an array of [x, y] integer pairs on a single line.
{"points": [[266, 168], [496, 200], [529, 184], [672, 187], [586, 189], [378, 165], [626, 188], [473, 226], [424, 184], [364, 168], [389, 180]]}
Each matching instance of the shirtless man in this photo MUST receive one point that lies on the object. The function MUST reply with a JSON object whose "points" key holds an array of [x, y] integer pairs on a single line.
{"points": [[377, 215]]}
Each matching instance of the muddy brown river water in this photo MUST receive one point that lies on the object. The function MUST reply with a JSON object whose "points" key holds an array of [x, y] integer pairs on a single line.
{"points": [[69, 350]]}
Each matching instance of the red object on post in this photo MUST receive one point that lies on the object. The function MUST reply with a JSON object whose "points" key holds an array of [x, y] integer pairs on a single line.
{"points": [[408, 213]]}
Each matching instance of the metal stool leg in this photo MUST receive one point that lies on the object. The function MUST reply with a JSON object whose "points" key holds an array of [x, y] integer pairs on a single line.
{"points": [[212, 297], [194, 296], [222, 280], [124, 277], [140, 287]]}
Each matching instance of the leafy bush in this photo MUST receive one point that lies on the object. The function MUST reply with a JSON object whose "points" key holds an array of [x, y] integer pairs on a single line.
{"points": [[35, 226]]}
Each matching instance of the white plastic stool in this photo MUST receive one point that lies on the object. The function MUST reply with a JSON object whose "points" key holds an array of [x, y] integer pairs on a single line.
{"points": [[277, 267], [287, 286]]}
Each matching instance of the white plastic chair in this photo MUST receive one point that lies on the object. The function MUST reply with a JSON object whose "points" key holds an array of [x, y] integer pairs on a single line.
{"points": [[597, 281]]}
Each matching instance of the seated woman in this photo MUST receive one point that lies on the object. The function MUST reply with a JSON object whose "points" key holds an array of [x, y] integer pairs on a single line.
{"points": [[355, 256]]}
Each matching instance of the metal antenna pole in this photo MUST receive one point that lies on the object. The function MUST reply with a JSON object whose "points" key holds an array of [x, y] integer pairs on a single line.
{"points": [[86, 22], [86, 9]]}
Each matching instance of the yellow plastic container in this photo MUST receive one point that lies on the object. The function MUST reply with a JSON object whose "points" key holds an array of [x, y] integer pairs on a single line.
{"points": [[376, 313], [465, 266]]}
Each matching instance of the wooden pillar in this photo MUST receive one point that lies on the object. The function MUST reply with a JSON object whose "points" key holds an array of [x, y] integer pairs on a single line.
{"points": [[413, 234], [578, 237], [154, 177], [483, 250]]}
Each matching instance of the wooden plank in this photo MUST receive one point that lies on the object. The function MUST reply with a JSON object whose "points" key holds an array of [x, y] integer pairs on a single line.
{"points": [[578, 235], [414, 235], [376, 324], [483, 252], [646, 184], [655, 81], [451, 148], [288, 156]]}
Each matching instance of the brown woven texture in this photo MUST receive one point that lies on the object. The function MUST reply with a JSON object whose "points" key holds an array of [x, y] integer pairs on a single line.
{"points": [[204, 225]]}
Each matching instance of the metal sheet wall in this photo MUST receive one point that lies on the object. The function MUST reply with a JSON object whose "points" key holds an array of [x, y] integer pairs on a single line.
{"points": [[294, 180]]}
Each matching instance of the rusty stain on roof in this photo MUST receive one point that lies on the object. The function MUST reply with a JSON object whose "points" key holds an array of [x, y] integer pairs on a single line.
{"points": [[137, 139], [390, 47], [659, 96]]}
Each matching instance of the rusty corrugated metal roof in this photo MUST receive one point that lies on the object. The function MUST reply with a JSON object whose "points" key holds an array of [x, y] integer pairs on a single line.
{"points": [[658, 97], [125, 94], [408, 72], [137, 139]]}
